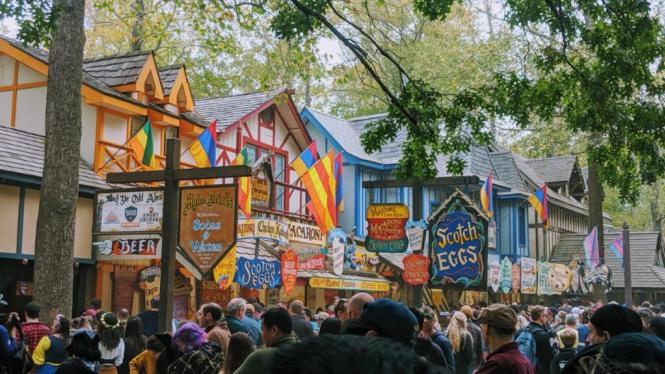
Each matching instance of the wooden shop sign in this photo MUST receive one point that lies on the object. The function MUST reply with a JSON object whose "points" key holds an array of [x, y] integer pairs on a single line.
{"points": [[415, 269], [348, 284], [289, 270], [386, 228], [208, 224]]}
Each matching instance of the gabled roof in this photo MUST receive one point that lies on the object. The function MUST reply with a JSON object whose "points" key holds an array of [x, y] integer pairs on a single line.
{"points": [[506, 170], [168, 75], [343, 132], [229, 110], [23, 153], [645, 273], [554, 169], [117, 70]]}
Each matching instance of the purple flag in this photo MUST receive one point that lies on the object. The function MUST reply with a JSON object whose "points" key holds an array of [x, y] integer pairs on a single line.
{"points": [[617, 247], [591, 249]]}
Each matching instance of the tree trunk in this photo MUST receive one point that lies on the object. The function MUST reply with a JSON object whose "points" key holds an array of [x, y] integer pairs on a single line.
{"points": [[596, 206], [654, 198], [54, 248], [137, 27]]}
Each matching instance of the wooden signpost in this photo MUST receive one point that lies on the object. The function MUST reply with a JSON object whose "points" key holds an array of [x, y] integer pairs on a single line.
{"points": [[171, 176]]}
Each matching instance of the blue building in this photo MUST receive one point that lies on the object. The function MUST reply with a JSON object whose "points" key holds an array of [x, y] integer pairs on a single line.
{"points": [[519, 234]]}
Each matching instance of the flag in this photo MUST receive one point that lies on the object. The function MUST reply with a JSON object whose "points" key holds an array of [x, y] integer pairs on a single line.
{"points": [[306, 160], [339, 201], [539, 201], [245, 184], [142, 145], [204, 148], [617, 247], [591, 249], [486, 197], [319, 181]]}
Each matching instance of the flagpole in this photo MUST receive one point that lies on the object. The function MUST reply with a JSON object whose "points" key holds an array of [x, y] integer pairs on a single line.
{"points": [[627, 275]]}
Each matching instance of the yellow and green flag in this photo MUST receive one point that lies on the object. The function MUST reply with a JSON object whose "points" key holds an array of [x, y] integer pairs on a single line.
{"points": [[245, 186], [142, 145]]}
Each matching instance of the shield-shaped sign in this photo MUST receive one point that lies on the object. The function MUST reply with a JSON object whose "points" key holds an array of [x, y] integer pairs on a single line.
{"points": [[130, 213]]}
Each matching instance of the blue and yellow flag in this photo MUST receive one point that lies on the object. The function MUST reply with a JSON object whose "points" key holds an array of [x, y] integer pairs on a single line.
{"points": [[306, 160], [204, 148], [539, 201]]}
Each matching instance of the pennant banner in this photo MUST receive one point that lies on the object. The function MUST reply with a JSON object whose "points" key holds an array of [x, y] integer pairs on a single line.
{"points": [[515, 277], [544, 287], [506, 275], [289, 270], [493, 272], [225, 270], [528, 278]]}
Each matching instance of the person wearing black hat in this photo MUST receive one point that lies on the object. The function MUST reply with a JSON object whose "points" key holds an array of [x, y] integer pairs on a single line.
{"points": [[498, 323], [389, 319], [635, 353], [84, 353], [606, 323]]}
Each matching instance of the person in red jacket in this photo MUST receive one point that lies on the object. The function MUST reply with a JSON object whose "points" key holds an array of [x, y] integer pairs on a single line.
{"points": [[498, 323]]}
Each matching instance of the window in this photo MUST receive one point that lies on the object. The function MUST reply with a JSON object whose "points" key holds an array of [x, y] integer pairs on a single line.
{"points": [[279, 172], [503, 228], [137, 123], [251, 155], [522, 229]]}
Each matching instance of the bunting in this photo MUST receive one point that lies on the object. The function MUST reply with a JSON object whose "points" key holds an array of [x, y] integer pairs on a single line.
{"points": [[617, 247], [245, 184], [591, 249]]}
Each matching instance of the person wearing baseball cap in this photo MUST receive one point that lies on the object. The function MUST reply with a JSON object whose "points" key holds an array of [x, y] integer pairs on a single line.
{"points": [[606, 322], [498, 323]]}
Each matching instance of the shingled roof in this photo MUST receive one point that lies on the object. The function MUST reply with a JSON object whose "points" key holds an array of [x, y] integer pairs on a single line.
{"points": [[554, 169], [168, 75], [23, 153], [118, 69], [229, 110], [643, 249]]}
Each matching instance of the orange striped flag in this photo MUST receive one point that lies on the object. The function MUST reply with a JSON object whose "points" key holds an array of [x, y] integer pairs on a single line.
{"points": [[245, 184], [319, 180]]}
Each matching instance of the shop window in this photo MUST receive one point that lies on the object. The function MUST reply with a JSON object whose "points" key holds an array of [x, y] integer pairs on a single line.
{"points": [[522, 232], [137, 123], [279, 172]]}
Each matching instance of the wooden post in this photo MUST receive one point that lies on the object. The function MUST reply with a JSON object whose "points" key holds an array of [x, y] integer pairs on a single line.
{"points": [[169, 235], [628, 287], [535, 220]]}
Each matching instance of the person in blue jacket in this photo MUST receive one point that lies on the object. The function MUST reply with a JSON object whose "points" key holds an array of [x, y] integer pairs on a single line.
{"points": [[8, 344]]}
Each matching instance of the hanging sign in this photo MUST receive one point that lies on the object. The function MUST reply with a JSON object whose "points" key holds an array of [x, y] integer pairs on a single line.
{"points": [[149, 279], [257, 273], [366, 261], [129, 247], [560, 278], [317, 262], [337, 238], [528, 277], [225, 270], [304, 233], [289, 270], [348, 284], [129, 210], [459, 247], [493, 272], [386, 228], [516, 277], [415, 231], [506, 275], [491, 234], [260, 192], [575, 281], [266, 229], [415, 269], [208, 221], [544, 287]]}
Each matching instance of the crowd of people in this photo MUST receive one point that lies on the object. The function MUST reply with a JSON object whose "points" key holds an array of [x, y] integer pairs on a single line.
{"points": [[359, 335]]}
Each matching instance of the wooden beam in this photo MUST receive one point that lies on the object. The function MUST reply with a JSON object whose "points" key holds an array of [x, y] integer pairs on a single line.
{"points": [[180, 174], [14, 94], [23, 86], [440, 181]]}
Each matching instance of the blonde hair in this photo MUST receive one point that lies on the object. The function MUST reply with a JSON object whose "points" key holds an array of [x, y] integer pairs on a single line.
{"points": [[456, 330]]}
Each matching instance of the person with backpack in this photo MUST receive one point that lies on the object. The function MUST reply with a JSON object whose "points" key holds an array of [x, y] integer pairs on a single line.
{"points": [[537, 342]]}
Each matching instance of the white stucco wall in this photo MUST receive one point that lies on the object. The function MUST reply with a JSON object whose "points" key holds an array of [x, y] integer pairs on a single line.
{"points": [[115, 129], [88, 130], [5, 108], [6, 71], [27, 75], [31, 110]]}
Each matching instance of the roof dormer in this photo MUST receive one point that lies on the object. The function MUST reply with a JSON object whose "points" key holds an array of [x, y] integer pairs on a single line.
{"points": [[176, 88]]}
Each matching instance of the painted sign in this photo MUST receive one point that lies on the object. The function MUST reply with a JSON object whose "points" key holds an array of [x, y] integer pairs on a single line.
{"points": [[210, 293], [416, 233], [560, 278], [544, 287], [386, 228], [149, 279], [366, 261], [491, 234], [493, 272], [337, 238], [260, 192], [459, 244], [516, 269], [129, 247], [129, 211], [575, 281], [266, 229], [225, 270], [317, 262], [304, 233], [415, 269], [506, 275], [348, 284], [289, 270], [208, 220], [528, 279], [257, 273]]}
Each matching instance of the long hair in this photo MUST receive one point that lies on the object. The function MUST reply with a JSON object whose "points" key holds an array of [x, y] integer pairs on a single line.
{"points": [[457, 330], [134, 334], [109, 332], [62, 327], [240, 346]]}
